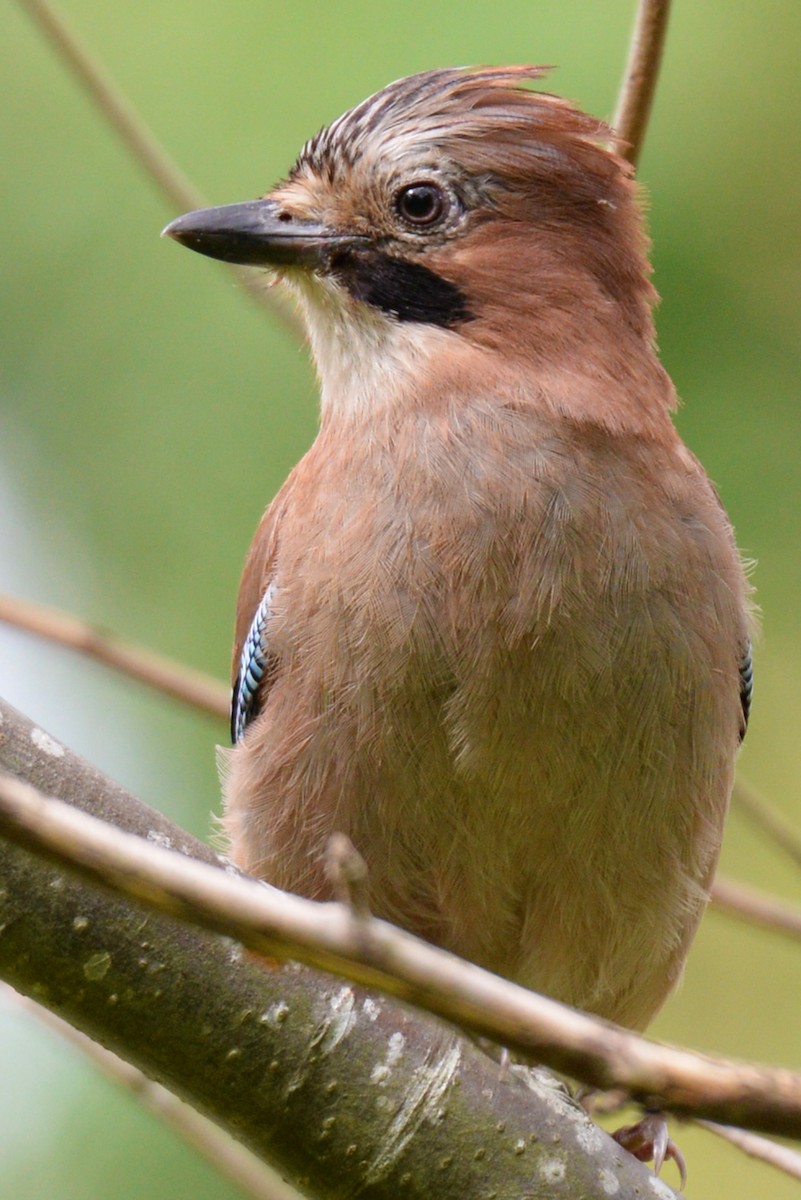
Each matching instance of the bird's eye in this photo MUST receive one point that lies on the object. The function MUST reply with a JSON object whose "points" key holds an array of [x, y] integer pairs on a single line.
{"points": [[421, 204]]}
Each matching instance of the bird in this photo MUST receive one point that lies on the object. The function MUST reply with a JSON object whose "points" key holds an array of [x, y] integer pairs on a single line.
{"points": [[494, 627]]}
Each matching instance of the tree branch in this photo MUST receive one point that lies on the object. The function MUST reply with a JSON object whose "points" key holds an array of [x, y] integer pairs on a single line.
{"points": [[342, 1089], [232, 1160], [736, 899], [637, 90], [768, 819], [781, 1157], [171, 678], [376, 954]]}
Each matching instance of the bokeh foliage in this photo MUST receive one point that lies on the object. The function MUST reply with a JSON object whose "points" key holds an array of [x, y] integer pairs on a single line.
{"points": [[148, 412]]}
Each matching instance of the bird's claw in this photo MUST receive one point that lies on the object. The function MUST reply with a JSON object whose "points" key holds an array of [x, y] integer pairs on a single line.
{"points": [[649, 1141]]}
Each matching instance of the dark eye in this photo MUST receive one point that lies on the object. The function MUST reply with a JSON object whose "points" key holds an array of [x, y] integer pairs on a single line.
{"points": [[421, 204]]}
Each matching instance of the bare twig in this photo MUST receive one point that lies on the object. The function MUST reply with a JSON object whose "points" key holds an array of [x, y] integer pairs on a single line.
{"points": [[768, 912], [232, 1160], [639, 82], [140, 141], [781, 1157], [768, 819], [347, 872], [374, 953], [155, 670]]}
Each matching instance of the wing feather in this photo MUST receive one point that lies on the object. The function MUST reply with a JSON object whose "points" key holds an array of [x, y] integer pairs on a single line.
{"points": [[254, 667]]}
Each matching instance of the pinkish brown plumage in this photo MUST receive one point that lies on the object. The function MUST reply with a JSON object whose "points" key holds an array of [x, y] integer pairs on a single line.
{"points": [[494, 625]]}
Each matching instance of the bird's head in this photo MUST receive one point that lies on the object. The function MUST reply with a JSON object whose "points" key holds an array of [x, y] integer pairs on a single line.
{"points": [[454, 209]]}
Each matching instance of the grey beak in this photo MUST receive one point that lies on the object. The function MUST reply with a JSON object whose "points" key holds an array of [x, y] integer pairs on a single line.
{"points": [[258, 233]]}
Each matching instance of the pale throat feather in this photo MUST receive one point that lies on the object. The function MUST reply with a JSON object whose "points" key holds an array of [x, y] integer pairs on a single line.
{"points": [[366, 360]]}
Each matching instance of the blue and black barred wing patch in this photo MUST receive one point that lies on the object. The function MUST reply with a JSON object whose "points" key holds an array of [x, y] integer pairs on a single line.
{"points": [[256, 667], [746, 687]]}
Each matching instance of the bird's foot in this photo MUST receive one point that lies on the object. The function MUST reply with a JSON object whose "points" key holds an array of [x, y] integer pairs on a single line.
{"points": [[649, 1141]]}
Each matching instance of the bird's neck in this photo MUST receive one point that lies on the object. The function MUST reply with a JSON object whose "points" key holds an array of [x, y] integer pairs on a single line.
{"points": [[372, 366], [368, 363]]}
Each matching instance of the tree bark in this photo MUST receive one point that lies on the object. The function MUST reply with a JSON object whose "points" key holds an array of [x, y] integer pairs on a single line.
{"points": [[345, 1091]]}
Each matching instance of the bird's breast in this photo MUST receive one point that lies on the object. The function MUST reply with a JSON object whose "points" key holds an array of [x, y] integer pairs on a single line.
{"points": [[508, 670]]}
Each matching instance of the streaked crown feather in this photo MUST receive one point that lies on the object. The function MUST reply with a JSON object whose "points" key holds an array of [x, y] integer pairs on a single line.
{"points": [[459, 111]]}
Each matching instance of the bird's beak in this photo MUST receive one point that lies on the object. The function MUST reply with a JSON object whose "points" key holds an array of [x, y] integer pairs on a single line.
{"points": [[257, 233]]}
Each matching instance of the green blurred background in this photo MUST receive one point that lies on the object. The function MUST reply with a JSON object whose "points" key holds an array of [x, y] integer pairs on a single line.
{"points": [[149, 410]]}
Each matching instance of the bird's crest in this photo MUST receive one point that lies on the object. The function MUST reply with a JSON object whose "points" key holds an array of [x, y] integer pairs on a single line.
{"points": [[479, 115]]}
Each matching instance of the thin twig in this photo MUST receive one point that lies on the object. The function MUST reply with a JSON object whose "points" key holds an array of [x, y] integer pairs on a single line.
{"points": [[139, 140], [376, 954], [232, 1160], [639, 81], [118, 111], [164, 674], [781, 1157], [347, 872], [768, 819], [768, 912]]}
